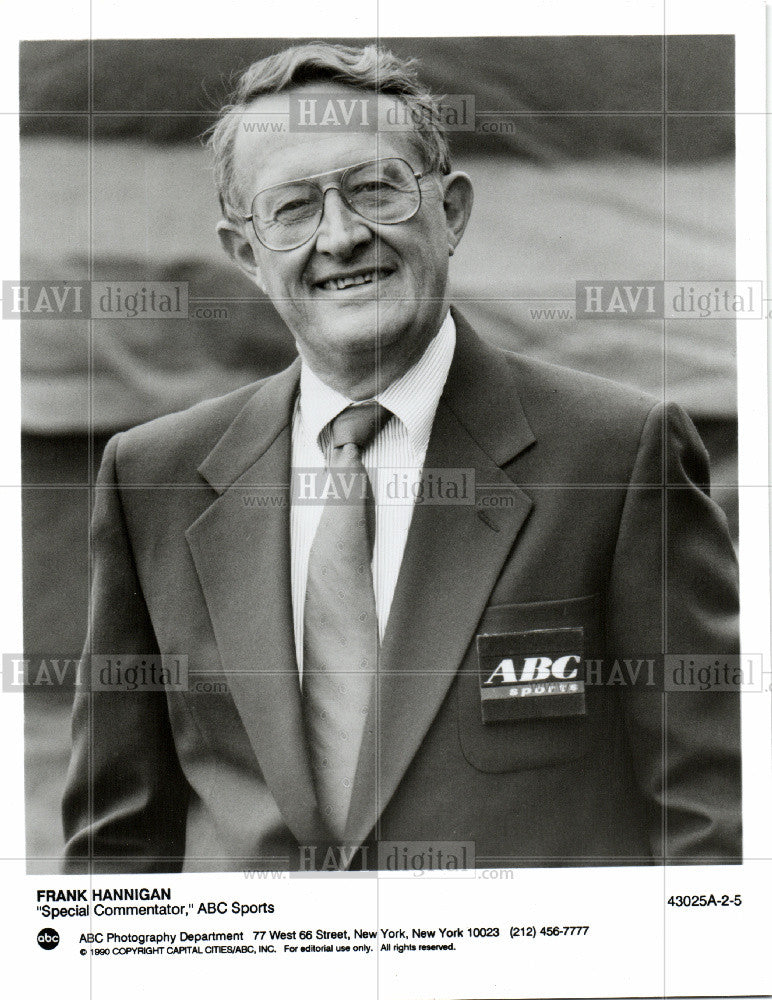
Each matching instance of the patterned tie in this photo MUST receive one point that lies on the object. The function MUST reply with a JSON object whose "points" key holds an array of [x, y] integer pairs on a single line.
{"points": [[340, 632]]}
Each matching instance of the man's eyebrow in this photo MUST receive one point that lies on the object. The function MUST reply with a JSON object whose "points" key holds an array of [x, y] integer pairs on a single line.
{"points": [[335, 170]]}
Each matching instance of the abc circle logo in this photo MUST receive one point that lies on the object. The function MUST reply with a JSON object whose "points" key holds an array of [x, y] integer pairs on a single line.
{"points": [[48, 938]]}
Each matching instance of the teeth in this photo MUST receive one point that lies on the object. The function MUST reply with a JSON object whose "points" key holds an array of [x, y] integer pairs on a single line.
{"points": [[350, 280]]}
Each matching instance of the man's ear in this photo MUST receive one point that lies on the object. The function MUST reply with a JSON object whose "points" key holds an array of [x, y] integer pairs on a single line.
{"points": [[457, 201], [239, 249]]}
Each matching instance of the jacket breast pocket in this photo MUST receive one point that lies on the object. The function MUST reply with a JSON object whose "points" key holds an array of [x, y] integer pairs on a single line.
{"points": [[516, 726]]}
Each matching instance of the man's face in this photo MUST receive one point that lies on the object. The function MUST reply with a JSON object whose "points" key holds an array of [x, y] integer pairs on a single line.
{"points": [[400, 305]]}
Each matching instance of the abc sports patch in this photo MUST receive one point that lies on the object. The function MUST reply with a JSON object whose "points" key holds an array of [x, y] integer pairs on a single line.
{"points": [[535, 674]]}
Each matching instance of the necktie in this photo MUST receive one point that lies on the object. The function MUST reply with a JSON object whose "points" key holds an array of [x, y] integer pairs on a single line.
{"points": [[340, 631]]}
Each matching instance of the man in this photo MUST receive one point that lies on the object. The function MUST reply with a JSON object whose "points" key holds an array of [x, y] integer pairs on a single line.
{"points": [[487, 669]]}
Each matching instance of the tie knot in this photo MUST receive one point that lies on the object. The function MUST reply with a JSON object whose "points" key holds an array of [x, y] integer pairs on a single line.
{"points": [[358, 424]]}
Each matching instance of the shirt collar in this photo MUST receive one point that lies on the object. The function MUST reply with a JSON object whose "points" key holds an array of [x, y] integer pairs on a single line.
{"points": [[412, 398], [318, 403]]}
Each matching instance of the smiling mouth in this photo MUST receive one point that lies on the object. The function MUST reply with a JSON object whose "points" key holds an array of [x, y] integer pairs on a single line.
{"points": [[338, 284]]}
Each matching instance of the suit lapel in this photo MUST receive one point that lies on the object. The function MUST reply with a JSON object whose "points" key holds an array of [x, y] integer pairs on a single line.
{"points": [[242, 555], [453, 557]]}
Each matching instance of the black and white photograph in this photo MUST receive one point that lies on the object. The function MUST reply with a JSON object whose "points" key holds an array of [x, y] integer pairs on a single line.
{"points": [[393, 504]]}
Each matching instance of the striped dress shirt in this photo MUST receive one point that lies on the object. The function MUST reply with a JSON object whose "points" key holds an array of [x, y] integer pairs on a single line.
{"points": [[393, 460]]}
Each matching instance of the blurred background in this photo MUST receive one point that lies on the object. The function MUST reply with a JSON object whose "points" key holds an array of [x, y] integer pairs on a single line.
{"points": [[592, 159]]}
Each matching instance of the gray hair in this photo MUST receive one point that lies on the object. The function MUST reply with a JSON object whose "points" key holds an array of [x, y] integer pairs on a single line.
{"points": [[369, 68]]}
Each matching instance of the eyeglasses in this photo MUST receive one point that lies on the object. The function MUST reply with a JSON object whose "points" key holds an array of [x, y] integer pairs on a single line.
{"points": [[385, 191]]}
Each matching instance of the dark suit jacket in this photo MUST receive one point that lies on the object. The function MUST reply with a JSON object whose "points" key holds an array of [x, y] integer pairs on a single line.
{"points": [[607, 526]]}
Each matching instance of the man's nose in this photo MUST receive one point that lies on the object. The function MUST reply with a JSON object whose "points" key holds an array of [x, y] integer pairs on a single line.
{"points": [[341, 230]]}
